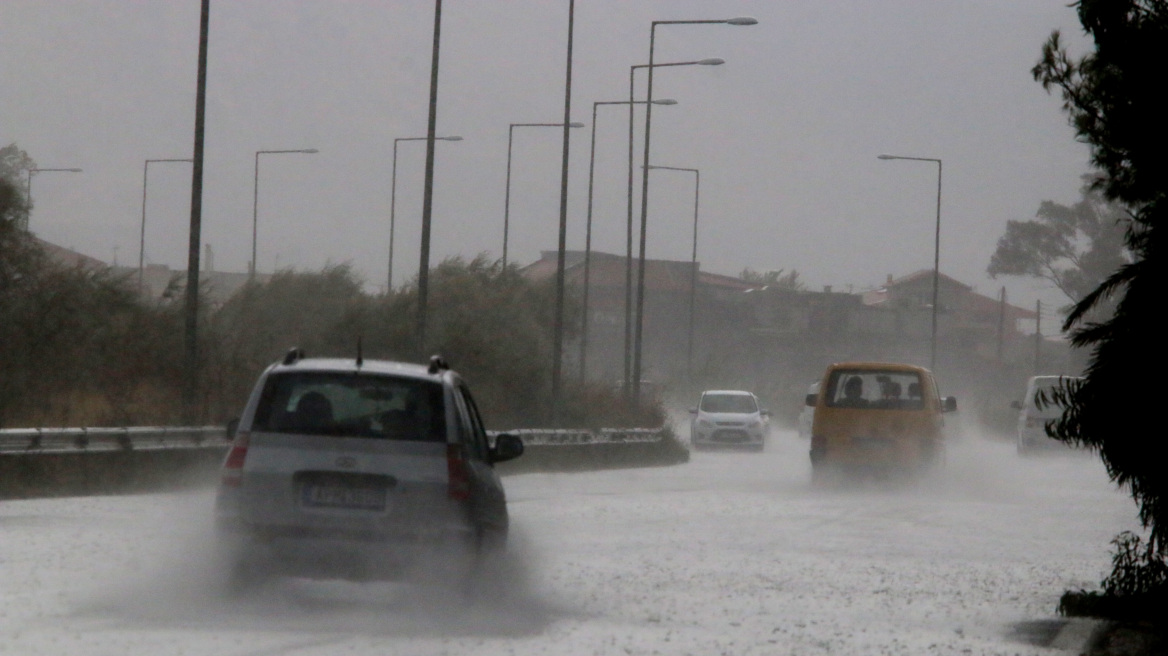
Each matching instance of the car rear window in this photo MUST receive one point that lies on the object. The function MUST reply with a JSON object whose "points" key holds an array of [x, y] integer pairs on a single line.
{"points": [[352, 405], [737, 403], [875, 389]]}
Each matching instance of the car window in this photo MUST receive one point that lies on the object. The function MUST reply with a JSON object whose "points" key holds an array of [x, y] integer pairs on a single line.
{"points": [[737, 403], [874, 389], [351, 405], [477, 432]]}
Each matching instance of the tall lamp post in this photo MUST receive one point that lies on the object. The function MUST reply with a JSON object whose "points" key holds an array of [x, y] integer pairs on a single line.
{"points": [[628, 355], [936, 252], [507, 195], [393, 197], [255, 199], [588, 228], [28, 190], [142, 230], [693, 262], [645, 189]]}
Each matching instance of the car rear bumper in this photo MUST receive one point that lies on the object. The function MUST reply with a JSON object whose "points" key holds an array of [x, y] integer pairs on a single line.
{"points": [[356, 554]]}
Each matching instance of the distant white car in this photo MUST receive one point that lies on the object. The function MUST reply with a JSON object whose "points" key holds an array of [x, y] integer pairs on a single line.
{"points": [[1034, 413], [807, 414], [729, 418]]}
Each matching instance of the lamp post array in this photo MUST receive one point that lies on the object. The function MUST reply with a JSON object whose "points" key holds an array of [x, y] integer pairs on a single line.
{"points": [[393, 198], [507, 193], [255, 201], [936, 252], [588, 225], [142, 230], [427, 205], [645, 189], [628, 351], [28, 189], [693, 262]]}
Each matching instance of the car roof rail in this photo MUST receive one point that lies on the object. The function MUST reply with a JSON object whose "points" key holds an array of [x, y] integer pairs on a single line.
{"points": [[438, 363], [294, 355]]}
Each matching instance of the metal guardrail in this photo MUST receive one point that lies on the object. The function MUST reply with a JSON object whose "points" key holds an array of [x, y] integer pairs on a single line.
{"points": [[568, 436], [137, 438], [133, 438]]}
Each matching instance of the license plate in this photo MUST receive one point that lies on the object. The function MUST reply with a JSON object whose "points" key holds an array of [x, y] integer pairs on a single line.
{"points": [[330, 496]]}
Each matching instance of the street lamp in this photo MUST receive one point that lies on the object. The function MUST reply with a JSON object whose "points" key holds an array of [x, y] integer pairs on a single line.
{"points": [[393, 196], [693, 275], [588, 228], [628, 355], [28, 190], [507, 195], [936, 252], [645, 188], [142, 231], [255, 200]]}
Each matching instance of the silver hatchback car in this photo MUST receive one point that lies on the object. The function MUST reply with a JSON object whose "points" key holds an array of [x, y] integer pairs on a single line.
{"points": [[360, 470]]}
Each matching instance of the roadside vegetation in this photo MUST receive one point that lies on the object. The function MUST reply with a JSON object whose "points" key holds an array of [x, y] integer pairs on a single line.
{"points": [[1112, 98], [80, 347]]}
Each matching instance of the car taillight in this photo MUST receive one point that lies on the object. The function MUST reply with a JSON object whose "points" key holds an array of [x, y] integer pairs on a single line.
{"points": [[458, 476], [233, 466]]}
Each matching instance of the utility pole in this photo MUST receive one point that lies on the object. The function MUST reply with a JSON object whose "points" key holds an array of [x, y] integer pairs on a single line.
{"points": [[1037, 337], [1001, 322], [191, 335]]}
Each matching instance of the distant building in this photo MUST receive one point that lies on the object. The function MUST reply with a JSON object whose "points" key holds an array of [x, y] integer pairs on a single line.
{"points": [[760, 332], [158, 281], [161, 282], [68, 257]]}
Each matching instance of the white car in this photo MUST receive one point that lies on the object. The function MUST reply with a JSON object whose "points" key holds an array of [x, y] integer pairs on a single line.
{"points": [[729, 418], [1032, 418], [360, 469]]}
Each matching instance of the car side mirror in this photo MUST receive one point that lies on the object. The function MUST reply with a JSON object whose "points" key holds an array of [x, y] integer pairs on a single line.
{"points": [[507, 447], [693, 411], [765, 413], [232, 427], [1017, 405], [811, 399], [949, 404]]}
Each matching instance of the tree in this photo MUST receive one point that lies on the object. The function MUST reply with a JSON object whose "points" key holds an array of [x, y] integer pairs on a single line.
{"points": [[1073, 247], [14, 167], [1113, 99], [777, 279]]}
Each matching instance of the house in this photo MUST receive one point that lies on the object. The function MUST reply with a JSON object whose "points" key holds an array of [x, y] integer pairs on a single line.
{"points": [[966, 320], [156, 281], [671, 287]]}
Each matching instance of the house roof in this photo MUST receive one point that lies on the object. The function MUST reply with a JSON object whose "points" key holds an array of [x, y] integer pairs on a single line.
{"points": [[927, 274], [972, 301], [609, 270], [67, 256]]}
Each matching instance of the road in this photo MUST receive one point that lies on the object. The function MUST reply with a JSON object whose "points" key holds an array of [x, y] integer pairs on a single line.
{"points": [[732, 553]]}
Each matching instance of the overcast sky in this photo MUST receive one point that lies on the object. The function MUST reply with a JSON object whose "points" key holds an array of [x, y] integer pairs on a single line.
{"points": [[785, 134]]}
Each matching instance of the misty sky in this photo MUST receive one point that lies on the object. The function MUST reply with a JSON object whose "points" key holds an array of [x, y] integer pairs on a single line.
{"points": [[786, 133]]}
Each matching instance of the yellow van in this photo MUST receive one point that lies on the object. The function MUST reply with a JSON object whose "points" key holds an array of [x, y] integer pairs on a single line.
{"points": [[877, 417]]}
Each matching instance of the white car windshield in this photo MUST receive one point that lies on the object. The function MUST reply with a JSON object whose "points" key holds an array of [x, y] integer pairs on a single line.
{"points": [[735, 403]]}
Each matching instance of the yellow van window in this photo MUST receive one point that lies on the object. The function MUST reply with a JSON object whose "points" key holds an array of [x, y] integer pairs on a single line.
{"points": [[875, 390]]}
